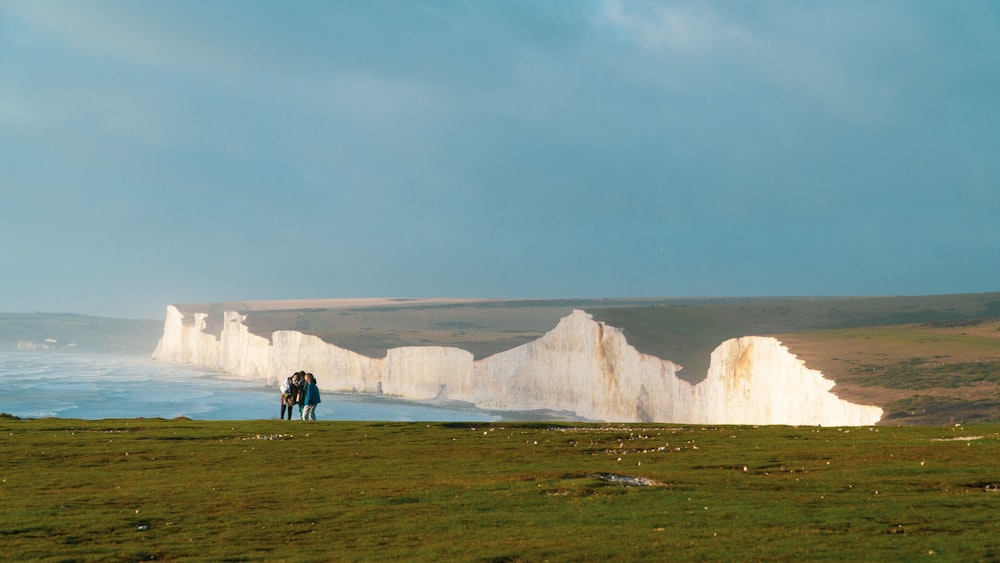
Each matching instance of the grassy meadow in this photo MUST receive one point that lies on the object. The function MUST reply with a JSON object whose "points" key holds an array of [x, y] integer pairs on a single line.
{"points": [[153, 489], [924, 483], [928, 373]]}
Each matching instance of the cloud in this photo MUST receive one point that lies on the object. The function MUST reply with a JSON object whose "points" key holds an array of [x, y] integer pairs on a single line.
{"points": [[657, 25], [19, 112], [494, 147], [844, 60], [182, 36]]}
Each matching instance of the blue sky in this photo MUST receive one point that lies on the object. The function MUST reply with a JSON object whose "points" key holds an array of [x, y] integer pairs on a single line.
{"points": [[185, 151]]}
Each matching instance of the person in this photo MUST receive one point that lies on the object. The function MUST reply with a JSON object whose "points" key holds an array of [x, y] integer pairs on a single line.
{"points": [[311, 398], [288, 390], [300, 390]]}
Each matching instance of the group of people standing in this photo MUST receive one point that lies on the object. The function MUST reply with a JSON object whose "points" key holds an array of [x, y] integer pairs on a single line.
{"points": [[300, 389]]}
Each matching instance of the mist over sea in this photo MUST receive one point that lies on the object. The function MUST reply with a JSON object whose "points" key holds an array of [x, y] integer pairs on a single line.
{"points": [[96, 386]]}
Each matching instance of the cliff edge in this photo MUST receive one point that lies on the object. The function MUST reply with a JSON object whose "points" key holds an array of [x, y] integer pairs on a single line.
{"points": [[582, 366]]}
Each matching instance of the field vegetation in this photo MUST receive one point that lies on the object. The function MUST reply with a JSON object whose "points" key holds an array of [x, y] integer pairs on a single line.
{"points": [[929, 373], [167, 490], [924, 483]]}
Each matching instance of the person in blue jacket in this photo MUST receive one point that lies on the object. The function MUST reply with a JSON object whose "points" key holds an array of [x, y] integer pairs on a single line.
{"points": [[311, 398]]}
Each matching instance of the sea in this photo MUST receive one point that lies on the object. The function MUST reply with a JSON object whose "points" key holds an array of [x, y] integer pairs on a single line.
{"points": [[47, 384]]}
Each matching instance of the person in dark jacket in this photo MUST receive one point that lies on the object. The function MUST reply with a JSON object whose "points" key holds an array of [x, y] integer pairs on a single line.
{"points": [[300, 390], [288, 391], [311, 398]]}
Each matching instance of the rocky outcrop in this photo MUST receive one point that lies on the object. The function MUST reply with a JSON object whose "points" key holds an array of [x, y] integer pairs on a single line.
{"points": [[758, 381], [581, 366]]}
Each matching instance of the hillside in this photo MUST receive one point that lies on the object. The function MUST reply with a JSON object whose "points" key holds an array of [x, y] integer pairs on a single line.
{"points": [[82, 333], [929, 373], [684, 330]]}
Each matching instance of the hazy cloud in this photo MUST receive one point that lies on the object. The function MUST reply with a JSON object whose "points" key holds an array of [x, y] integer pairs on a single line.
{"points": [[182, 151]]}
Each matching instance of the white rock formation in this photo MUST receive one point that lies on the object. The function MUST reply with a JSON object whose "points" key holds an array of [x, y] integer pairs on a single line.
{"points": [[581, 366], [758, 381]]}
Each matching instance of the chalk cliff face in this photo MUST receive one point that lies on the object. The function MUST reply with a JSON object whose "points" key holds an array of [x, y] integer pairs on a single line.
{"points": [[581, 366], [757, 380]]}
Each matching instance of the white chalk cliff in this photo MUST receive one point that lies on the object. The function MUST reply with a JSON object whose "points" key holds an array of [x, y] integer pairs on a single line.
{"points": [[581, 366]]}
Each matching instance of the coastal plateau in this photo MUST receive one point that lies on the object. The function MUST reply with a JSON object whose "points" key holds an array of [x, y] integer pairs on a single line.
{"points": [[583, 365]]}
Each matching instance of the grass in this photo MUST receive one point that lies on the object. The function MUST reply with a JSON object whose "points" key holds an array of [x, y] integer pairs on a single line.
{"points": [[920, 373], [357, 491], [928, 373]]}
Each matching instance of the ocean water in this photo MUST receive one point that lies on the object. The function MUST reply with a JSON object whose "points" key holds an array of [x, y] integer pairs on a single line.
{"points": [[96, 386]]}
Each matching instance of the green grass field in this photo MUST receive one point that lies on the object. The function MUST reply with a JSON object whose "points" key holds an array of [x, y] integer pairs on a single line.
{"points": [[145, 489]]}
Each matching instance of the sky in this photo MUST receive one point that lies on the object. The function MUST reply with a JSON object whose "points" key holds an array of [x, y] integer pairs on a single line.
{"points": [[177, 152]]}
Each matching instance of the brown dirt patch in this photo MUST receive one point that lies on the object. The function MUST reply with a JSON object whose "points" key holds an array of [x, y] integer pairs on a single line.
{"points": [[918, 373]]}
